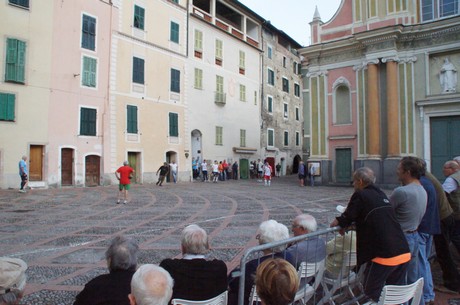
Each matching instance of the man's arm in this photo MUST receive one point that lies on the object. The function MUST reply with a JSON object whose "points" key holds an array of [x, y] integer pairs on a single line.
{"points": [[117, 175], [449, 185]]}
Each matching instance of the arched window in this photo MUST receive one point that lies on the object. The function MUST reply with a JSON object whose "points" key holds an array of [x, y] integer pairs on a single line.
{"points": [[342, 105]]}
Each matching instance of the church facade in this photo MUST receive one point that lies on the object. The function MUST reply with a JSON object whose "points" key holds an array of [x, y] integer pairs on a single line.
{"points": [[380, 83]]}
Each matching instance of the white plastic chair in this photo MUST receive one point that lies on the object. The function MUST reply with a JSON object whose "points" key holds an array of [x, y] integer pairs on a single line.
{"points": [[221, 299], [346, 279], [399, 294]]}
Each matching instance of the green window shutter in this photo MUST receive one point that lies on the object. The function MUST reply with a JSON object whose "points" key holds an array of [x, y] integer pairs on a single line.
{"points": [[23, 3], [198, 40], [173, 124], [242, 137], [219, 130], [89, 72], [7, 106], [175, 80], [198, 78], [174, 32], [138, 70], [132, 119], [88, 118], [15, 60], [88, 33], [139, 14], [242, 60], [21, 61], [219, 49]]}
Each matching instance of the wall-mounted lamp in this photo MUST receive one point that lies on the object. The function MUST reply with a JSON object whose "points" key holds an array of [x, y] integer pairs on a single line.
{"points": [[186, 155]]}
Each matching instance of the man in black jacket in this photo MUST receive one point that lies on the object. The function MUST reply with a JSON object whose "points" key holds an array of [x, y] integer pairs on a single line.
{"points": [[380, 240]]}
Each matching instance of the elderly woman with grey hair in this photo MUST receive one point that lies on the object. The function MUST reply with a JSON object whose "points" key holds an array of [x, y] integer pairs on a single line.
{"points": [[12, 280], [151, 285], [114, 287], [195, 276], [269, 231]]}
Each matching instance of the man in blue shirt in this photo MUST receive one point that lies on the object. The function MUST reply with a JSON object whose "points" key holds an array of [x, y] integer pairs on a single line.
{"points": [[23, 173]]}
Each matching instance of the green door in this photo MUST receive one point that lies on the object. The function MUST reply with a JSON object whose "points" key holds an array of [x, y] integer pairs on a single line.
{"points": [[445, 144], [343, 165], [244, 168], [132, 159]]}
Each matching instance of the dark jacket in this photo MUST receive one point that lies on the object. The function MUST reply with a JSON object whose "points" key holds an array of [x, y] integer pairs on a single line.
{"points": [[107, 289], [196, 279], [378, 233]]}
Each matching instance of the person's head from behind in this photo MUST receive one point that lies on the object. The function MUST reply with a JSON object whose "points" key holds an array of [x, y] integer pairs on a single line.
{"points": [[408, 169], [276, 282], [151, 285], [194, 240], [304, 224], [122, 254], [12, 280], [363, 177], [125, 163], [271, 231]]}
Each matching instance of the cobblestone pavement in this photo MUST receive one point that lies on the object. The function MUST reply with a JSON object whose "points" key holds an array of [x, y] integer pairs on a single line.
{"points": [[63, 233]]}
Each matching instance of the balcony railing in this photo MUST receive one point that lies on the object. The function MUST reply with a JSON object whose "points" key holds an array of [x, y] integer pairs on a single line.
{"points": [[220, 98]]}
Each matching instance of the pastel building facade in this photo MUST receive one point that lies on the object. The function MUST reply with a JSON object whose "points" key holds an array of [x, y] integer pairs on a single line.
{"points": [[375, 87]]}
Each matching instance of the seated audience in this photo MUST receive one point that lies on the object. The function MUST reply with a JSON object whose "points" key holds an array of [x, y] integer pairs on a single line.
{"points": [[114, 287], [269, 231], [12, 280], [151, 285], [196, 278], [310, 250], [276, 282], [336, 248]]}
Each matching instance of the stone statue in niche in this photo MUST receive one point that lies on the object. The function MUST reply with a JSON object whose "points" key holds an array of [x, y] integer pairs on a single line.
{"points": [[448, 77]]}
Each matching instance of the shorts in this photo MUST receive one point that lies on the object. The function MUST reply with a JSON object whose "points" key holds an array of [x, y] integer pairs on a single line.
{"points": [[124, 187], [23, 177], [267, 177]]}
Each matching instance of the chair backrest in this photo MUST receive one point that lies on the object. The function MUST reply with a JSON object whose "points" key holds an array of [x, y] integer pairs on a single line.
{"points": [[307, 270], [399, 294], [349, 261], [221, 299]]}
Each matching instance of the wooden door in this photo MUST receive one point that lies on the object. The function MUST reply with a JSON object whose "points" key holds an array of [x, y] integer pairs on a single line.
{"points": [[244, 168], [67, 166], [343, 171], [132, 159], [36, 163], [92, 170], [445, 144]]}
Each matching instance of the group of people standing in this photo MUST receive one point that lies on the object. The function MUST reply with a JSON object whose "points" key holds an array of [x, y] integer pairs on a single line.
{"points": [[220, 170]]}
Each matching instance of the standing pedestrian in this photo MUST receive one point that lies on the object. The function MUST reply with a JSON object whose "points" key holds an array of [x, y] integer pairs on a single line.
{"points": [[23, 173], [278, 169], [173, 166], [312, 174], [215, 171], [124, 174], [267, 169], [235, 170], [163, 170], [195, 167], [260, 170], [301, 173], [204, 170]]}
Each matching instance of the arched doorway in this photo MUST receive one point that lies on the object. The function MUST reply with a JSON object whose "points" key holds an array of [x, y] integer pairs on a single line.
{"points": [[170, 157], [295, 164], [196, 141], [92, 170]]}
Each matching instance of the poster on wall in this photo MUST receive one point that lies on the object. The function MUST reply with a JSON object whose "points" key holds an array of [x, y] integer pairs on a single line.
{"points": [[314, 168]]}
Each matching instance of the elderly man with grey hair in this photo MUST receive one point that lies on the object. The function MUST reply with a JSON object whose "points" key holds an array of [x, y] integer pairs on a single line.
{"points": [[12, 280], [196, 277], [114, 287], [310, 250], [151, 285], [269, 231]]}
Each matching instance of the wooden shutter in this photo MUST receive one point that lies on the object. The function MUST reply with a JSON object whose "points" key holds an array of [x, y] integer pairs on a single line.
{"points": [[132, 119], [173, 124], [7, 106]]}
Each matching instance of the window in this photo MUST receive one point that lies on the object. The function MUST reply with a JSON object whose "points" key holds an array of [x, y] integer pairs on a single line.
{"points": [[270, 104], [242, 137], [284, 61], [371, 8], [175, 1], [271, 77], [138, 70], [286, 138], [448, 7], [255, 97], [89, 72], [220, 97], [294, 68], [131, 119], [297, 114], [434, 9], [396, 6], [198, 42], [242, 62], [219, 131], [175, 80], [342, 107], [297, 138], [243, 93], [88, 121], [173, 124], [174, 32], [285, 110], [357, 10], [88, 38], [15, 61], [270, 52], [198, 78], [297, 90], [23, 3], [7, 104], [427, 10], [285, 85], [219, 52], [270, 137], [139, 14]]}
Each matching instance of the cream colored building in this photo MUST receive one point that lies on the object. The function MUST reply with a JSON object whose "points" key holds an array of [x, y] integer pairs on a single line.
{"points": [[25, 65]]}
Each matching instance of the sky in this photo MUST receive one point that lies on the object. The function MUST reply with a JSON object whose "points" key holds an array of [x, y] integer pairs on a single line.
{"points": [[293, 16]]}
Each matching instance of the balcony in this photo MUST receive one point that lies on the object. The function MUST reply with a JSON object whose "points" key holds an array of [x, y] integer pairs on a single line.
{"points": [[220, 98]]}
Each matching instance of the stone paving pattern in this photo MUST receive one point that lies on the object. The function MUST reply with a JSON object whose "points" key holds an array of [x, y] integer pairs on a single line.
{"points": [[62, 234]]}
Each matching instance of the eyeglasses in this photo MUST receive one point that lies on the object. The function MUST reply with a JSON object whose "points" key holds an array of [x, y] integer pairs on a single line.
{"points": [[296, 226]]}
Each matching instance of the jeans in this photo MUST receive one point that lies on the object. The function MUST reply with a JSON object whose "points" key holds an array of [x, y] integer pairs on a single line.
{"points": [[174, 174], [413, 271], [426, 241]]}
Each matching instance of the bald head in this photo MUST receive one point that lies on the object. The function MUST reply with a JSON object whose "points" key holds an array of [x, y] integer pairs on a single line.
{"points": [[450, 167], [151, 285]]}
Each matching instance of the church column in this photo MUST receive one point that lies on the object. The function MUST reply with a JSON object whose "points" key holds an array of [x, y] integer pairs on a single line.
{"points": [[373, 111], [393, 122]]}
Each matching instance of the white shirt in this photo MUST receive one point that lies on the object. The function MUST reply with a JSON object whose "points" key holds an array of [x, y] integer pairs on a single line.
{"points": [[173, 167], [204, 166], [215, 168], [449, 185]]}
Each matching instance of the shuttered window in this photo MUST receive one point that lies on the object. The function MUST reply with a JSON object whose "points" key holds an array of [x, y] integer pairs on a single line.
{"points": [[138, 70], [7, 104], [23, 3], [219, 132], [89, 72], [174, 32], [15, 61], [139, 15], [173, 124], [88, 39], [131, 119], [175, 80], [88, 121]]}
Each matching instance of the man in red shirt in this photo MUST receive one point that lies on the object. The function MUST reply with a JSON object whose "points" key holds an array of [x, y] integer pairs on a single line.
{"points": [[124, 174]]}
